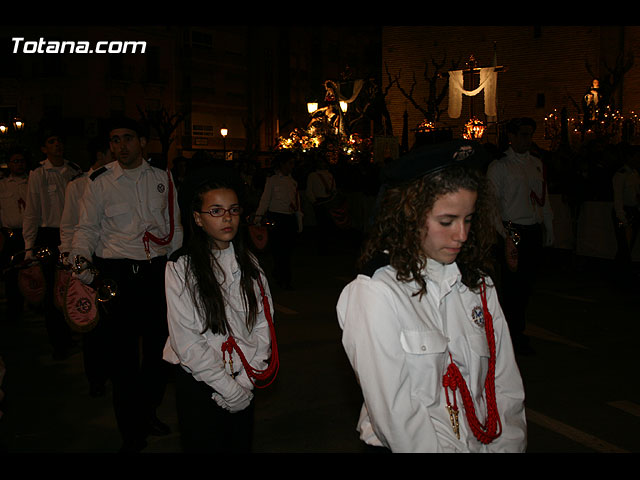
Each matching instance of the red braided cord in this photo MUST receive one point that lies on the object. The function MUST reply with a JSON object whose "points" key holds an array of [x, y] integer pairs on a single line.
{"points": [[167, 238], [274, 363], [453, 379], [534, 196]]}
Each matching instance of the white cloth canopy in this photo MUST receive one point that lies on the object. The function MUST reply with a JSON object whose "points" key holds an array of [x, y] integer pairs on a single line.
{"points": [[488, 83]]}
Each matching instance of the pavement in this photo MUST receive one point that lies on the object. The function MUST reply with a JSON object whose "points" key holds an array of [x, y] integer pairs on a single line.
{"points": [[581, 382]]}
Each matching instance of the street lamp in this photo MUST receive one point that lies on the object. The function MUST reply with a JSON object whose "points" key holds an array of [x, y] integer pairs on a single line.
{"points": [[18, 124], [224, 131]]}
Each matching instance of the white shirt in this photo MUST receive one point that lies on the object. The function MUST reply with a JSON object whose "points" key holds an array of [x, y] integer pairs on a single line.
{"points": [[45, 198], [71, 212], [399, 345], [200, 353], [514, 177], [626, 190], [13, 197], [116, 209], [280, 195], [320, 184]]}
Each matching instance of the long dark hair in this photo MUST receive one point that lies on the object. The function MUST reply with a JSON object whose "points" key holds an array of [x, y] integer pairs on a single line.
{"points": [[201, 266], [401, 217]]}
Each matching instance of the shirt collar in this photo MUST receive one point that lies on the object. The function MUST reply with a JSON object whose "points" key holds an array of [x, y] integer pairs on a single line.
{"points": [[228, 263], [118, 171], [441, 278]]}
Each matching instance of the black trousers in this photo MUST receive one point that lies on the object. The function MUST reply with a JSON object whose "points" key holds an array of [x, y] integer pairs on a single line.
{"points": [[516, 287], [282, 241], [204, 426], [626, 237], [134, 326], [13, 243], [58, 331]]}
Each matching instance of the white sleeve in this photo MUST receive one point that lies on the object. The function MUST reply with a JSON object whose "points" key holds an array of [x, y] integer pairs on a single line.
{"points": [[178, 233], [87, 232], [509, 388], [69, 218], [32, 213], [190, 345], [261, 335], [371, 339], [265, 199]]}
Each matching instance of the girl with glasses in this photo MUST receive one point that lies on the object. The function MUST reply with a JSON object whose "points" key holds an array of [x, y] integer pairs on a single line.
{"points": [[216, 290]]}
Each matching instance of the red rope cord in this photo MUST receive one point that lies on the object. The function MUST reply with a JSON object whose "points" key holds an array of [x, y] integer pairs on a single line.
{"points": [[453, 379], [167, 238], [271, 371], [534, 196]]}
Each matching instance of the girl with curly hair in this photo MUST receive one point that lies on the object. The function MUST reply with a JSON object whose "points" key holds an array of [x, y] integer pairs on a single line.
{"points": [[422, 326]]}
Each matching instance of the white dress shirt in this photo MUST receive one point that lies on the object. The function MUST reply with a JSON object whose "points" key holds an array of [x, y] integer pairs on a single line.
{"points": [[13, 198], [280, 195], [45, 198], [320, 184], [514, 177], [71, 212], [116, 209], [200, 353], [399, 345], [626, 191]]}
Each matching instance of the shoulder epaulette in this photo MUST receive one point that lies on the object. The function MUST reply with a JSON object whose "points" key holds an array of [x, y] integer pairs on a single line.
{"points": [[77, 175], [74, 166], [97, 173]]}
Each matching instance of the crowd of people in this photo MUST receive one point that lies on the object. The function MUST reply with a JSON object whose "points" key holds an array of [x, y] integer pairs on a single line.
{"points": [[451, 236]]}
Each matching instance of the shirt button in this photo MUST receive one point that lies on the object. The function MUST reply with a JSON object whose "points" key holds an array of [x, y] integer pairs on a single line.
{"points": [[423, 348]]}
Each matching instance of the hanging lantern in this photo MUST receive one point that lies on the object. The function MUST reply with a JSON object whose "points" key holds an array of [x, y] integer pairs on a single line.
{"points": [[474, 129]]}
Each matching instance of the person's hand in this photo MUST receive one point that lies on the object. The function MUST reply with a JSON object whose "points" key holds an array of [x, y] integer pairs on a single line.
{"points": [[235, 403], [85, 276]]}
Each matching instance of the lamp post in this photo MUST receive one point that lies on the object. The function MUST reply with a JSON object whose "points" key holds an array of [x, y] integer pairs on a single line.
{"points": [[224, 131]]}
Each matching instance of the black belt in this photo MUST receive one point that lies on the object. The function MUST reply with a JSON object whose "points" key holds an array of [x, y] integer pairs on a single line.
{"points": [[129, 264]]}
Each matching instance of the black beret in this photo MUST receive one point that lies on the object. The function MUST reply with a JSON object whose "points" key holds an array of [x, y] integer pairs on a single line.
{"points": [[128, 123], [428, 159]]}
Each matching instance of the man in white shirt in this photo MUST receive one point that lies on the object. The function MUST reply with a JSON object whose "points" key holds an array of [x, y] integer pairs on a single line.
{"points": [[13, 196], [526, 217], [280, 202], [626, 213], [129, 224], [41, 227]]}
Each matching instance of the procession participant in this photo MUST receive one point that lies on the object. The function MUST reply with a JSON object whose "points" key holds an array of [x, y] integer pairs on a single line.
{"points": [[129, 223], [280, 203], [41, 228], [525, 217], [626, 213], [422, 325], [213, 288], [13, 196], [93, 345]]}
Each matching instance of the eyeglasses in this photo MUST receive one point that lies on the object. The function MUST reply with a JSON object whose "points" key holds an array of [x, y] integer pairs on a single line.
{"points": [[221, 212]]}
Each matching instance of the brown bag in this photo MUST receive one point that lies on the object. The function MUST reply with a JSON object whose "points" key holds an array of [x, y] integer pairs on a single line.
{"points": [[32, 284], [259, 236], [60, 287], [80, 306]]}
